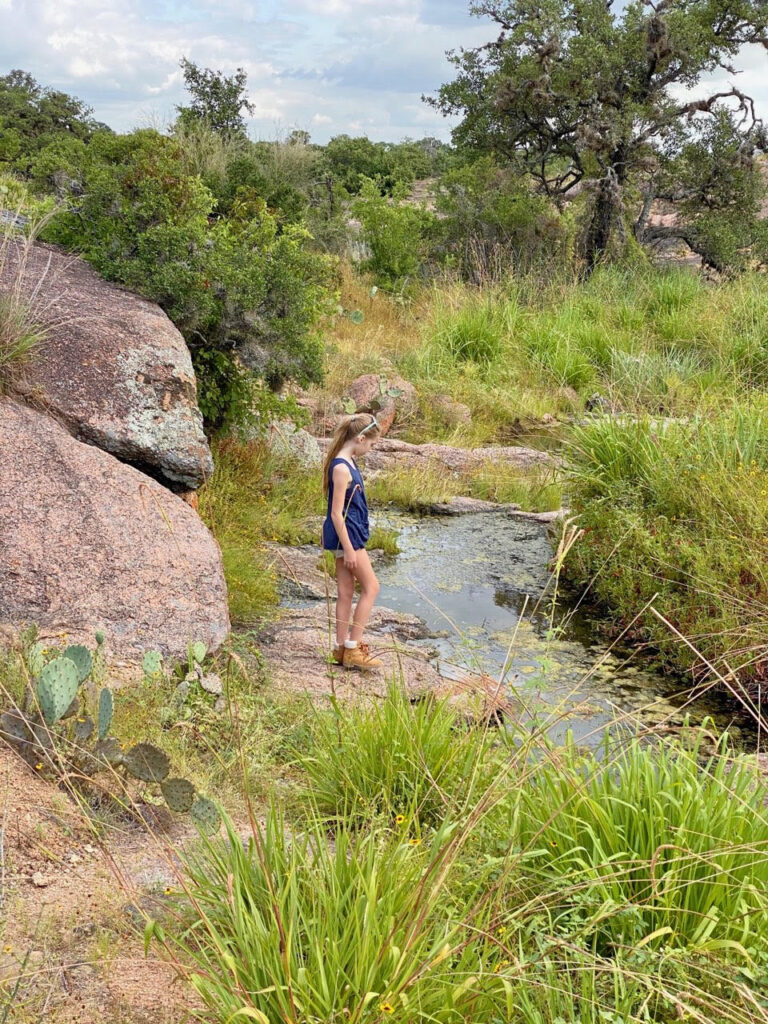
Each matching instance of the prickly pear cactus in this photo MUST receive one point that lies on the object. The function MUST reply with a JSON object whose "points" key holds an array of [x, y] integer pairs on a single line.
{"points": [[83, 729], [81, 657], [72, 710], [152, 664], [198, 651], [36, 658], [14, 728], [42, 736], [147, 762], [106, 707], [56, 688], [179, 794], [109, 751], [205, 815]]}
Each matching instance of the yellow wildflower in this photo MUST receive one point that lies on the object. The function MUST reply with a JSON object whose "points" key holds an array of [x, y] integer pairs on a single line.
{"points": [[414, 842], [387, 1008], [400, 819]]}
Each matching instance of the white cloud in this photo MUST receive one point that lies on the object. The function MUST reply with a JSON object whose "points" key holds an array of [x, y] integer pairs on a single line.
{"points": [[335, 65]]}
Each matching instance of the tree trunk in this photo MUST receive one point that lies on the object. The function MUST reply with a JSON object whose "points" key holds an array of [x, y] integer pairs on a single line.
{"points": [[685, 233], [605, 235]]}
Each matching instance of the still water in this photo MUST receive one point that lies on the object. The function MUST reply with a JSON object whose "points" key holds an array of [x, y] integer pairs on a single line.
{"points": [[482, 583]]}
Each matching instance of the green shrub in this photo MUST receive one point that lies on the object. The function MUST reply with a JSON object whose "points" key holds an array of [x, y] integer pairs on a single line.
{"points": [[239, 283], [395, 233], [491, 223]]}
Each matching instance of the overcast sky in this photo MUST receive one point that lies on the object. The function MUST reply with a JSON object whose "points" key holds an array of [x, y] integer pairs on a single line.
{"points": [[326, 66]]}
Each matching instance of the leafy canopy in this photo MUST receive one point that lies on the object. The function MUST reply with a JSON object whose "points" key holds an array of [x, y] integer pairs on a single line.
{"points": [[217, 99], [34, 118], [577, 91]]}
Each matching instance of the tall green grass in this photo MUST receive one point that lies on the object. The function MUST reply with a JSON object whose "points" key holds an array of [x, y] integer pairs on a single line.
{"points": [[25, 313], [656, 846], [649, 341], [677, 513], [255, 497], [558, 888], [391, 759]]}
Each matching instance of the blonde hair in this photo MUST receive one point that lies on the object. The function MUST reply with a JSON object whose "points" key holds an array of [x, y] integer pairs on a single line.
{"points": [[347, 428]]}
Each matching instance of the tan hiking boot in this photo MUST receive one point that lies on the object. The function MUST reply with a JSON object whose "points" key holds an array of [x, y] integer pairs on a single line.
{"points": [[338, 654], [360, 657]]}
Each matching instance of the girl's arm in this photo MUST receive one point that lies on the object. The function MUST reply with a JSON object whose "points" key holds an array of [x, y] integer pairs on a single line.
{"points": [[341, 480]]}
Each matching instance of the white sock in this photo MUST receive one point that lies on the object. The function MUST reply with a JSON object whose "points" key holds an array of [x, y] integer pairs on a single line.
{"points": [[350, 644]]}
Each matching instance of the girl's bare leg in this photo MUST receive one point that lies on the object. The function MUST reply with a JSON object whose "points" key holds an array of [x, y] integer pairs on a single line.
{"points": [[369, 588], [345, 593]]}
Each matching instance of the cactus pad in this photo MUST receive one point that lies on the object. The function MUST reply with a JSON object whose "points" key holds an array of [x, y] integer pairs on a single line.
{"points": [[73, 708], [179, 794], [212, 683], [147, 762], [83, 729], [14, 728], [36, 659], [99, 635], [41, 734], [56, 688], [105, 712], [205, 815], [99, 667], [81, 657], [198, 651], [108, 751], [152, 664]]}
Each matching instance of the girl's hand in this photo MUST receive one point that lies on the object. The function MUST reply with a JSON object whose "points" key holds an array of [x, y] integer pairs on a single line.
{"points": [[350, 559]]}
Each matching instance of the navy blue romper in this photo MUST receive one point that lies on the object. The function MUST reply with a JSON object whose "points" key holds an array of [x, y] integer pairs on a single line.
{"points": [[355, 512]]}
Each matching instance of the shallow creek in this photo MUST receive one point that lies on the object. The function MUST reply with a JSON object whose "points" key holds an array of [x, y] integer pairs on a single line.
{"points": [[481, 581]]}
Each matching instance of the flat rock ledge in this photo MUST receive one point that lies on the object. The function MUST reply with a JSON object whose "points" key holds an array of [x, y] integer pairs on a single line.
{"points": [[297, 651], [113, 367], [390, 453], [89, 543], [464, 506]]}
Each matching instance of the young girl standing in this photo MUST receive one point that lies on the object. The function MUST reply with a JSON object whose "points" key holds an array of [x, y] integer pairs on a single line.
{"points": [[345, 533]]}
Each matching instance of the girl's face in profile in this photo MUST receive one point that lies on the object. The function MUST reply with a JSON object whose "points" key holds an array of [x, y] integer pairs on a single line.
{"points": [[364, 443]]}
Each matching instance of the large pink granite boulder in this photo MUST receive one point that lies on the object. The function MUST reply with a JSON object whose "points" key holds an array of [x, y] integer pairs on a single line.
{"points": [[89, 543], [113, 368]]}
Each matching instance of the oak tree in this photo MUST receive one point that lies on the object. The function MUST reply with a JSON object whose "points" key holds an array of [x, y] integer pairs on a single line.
{"points": [[589, 95]]}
